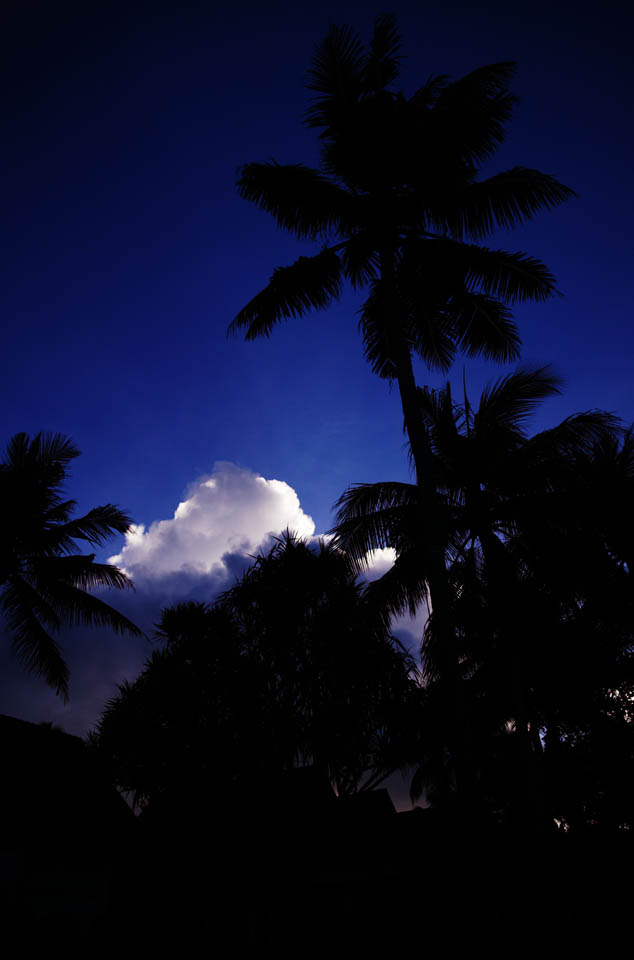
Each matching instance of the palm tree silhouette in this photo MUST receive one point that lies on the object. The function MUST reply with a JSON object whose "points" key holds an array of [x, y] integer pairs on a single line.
{"points": [[44, 584], [504, 499], [398, 209], [397, 205]]}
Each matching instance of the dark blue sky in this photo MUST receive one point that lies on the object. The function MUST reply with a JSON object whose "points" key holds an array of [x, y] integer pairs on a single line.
{"points": [[126, 250]]}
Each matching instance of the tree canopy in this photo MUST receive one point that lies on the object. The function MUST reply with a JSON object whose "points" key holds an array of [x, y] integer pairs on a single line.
{"points": [[45, 584], [289, 667]]}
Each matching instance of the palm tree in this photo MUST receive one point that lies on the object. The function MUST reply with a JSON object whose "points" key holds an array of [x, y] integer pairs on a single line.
{"points": [[398, 209], [397, 205], [492, 481], [506, 503], [44, 583]]}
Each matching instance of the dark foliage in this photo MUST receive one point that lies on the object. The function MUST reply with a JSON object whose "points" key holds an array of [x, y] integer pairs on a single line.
{"points": [[44, 583], [537, 533], [290, 667]]}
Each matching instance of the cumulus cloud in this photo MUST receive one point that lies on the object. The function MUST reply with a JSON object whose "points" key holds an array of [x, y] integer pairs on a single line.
{"points": [[379, 562], [229, 514], [223, 519]]}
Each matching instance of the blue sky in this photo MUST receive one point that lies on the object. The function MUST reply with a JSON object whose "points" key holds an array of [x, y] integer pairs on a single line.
{"points": [[127, 252]]}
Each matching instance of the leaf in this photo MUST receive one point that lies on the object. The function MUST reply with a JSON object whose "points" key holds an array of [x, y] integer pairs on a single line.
{"points": [[77, 607], [360, 259], [31, 643], [311, 283], [335, 74], [513, 398], [81, 572], [470, 113], [505, 200], [404, 588], [301, 200], [96, 527], [511, 277], [382, 66], [483, 326]]}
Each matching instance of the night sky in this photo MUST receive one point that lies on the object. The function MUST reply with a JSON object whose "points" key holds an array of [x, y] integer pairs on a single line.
{"points": [[127, 252]]}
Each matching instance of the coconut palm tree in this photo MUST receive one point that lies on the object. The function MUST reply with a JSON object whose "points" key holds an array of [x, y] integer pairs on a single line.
{"points": [[492, 481], [507, 504], [44, 582], [398, 209]]}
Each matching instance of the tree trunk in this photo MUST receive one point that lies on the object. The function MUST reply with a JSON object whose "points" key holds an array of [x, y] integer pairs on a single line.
{"points": [[437, 578]]}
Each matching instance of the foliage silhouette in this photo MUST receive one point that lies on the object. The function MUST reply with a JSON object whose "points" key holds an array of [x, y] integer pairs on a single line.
{"points": [[516, 512], [399, 210], [400, 218], [44, 583], [289, 667]]}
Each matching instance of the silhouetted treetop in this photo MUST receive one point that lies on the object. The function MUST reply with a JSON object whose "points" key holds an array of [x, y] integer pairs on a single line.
{"points": [[44, 583], [290, 667]]}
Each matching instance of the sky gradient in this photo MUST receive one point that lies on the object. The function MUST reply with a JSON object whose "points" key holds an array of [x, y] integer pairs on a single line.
{"points": [[127, 252]]}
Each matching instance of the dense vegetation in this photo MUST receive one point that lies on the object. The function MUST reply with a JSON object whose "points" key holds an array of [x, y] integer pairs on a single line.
{"points": [[291, 666]]}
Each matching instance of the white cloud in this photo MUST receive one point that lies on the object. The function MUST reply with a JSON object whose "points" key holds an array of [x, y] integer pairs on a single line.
{"points": [[224, 518], [232, 511], [379, 562]]}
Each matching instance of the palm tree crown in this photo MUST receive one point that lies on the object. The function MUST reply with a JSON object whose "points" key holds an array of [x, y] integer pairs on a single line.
{"points": [[494, 484], [399, 209], [44, 583], [537, 574]]}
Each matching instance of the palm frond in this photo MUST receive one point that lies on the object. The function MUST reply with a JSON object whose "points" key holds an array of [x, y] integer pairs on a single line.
{"points": [[301, 199], [311, 283], [61, 512], [75, 607], [45, 449], [360, 259], [31, 643], [439, 413], [430, 334], [369, 517], [374, 333], [96, 527], [81, 572], [427, 332], [55, 448], [335, 75], [34, 469], [483, 326], [367, 498], [509, 401], [577, 434], [403, 589], [382, 65], [20, 593], [504, 200], [508, 276], [471, 112], [42, 586]]}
